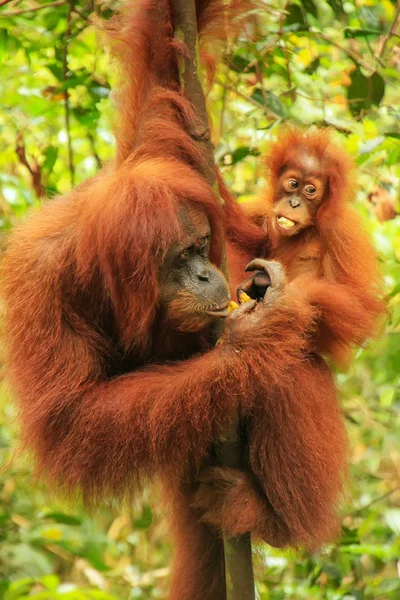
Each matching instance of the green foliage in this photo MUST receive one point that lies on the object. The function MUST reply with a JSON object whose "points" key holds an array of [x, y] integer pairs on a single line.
{"points": [[314, 62]]}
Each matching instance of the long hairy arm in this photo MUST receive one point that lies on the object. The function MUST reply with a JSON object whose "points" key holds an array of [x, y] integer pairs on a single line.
{"points": [[296, 442], [346, 293], [104, 435], [298, 454]]}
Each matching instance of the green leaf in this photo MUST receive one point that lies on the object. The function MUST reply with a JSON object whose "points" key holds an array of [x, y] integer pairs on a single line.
{"points": [[337, 7], [386, 397], [62, 518], [363, 92], [50, 154], [4, 517], [377, 88], [313, 66], [393, 156], [93, 554], [275, 104], [238, 63], [357, 91], [332, 570], [4, 585], [310, 7], [88, 117], [145, 520], [355, 32], [271, 101], [3, 43], [52, 17], [50, 582], [18, 588], [349, 536], [295, 19], [241, 153], [56, 69], [395, 315], [73, 81]]}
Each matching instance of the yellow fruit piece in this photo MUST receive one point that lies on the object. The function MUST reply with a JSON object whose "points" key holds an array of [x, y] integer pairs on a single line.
{"points": [[232, 306], [243, 297]]}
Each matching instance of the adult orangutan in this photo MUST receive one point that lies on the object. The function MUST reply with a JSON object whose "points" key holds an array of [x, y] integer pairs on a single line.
{"points": [[304, 221], [110, 292]]}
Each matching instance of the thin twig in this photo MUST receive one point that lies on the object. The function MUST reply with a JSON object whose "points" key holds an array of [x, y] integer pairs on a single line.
{"points": [[94, 151], [353, 55], [15, 13], [66, 93], [267, 48], [269, 113], [222, 115], [379, 54], [374, 501], [323, 99], [261, 80], [291, 89], [33, 167], [3, 2]]}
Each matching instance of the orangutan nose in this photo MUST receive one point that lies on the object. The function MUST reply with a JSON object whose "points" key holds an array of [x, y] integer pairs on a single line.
{"points": [[294, 202], [204, 274]]}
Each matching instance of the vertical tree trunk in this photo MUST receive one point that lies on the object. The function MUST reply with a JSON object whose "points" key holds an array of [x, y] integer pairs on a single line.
{"points": [[238, 559]]}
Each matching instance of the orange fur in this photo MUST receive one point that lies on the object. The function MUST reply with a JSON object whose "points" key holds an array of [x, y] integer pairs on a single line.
{"points": [[331, 265], [108, 393], [142, 39]]}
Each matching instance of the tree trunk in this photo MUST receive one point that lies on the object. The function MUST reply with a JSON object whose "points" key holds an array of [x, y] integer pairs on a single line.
{"points": [[238, 559]]}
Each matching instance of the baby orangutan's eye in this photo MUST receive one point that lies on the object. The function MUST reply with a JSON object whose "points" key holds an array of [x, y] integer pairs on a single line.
{"points": [[310, 190], [293, 184]]}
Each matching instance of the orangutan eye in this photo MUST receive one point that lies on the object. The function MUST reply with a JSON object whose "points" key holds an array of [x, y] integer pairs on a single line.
{"points": [[293, 184], [310, 190], [184, 256]]}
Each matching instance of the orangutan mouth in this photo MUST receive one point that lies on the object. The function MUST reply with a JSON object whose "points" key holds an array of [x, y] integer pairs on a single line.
{"points": [[220, 311], [285, 223]]}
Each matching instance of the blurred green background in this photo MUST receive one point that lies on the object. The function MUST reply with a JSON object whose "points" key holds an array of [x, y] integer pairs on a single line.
{"points": [[316, 62]]}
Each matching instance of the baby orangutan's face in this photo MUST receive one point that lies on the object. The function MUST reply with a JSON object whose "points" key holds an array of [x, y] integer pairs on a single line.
{"points": [[300, 190]]}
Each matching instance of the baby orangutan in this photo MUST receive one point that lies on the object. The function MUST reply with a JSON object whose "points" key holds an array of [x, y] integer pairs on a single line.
{"points": [[305, 222]]}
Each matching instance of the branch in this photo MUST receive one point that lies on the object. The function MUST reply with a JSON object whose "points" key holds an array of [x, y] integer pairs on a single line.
{"points": [[66, 93], [268, 113], [391, 33], [15, 13], [94, 151], [238, 560], [374, 501], [186, 31], [34, 168], [353, 55]]}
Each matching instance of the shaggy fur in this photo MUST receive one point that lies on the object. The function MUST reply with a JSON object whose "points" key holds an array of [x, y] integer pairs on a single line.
{"points": [[109, 395], [332, 265]]}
